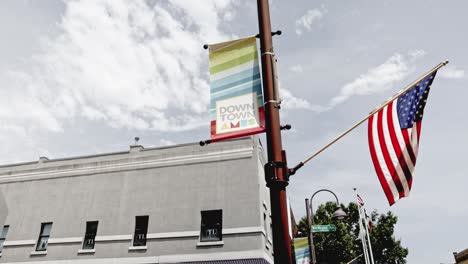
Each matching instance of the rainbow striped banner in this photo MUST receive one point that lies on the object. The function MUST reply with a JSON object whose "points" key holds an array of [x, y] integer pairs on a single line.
{"points": [[236, 106], [301, 250]]}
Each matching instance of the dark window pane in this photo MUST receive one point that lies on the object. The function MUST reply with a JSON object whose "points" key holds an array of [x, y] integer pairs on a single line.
{"points": [[88, 243], [91, 227], [43, 237], [90, 235], [45, 230], [211, 225], [141, 229], [3, 236], [42, 244], [4, 232]]}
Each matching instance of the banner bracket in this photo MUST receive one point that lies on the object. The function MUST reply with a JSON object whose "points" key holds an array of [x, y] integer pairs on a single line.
{"points": [[205, 142], [277, 32], [270, 172]]}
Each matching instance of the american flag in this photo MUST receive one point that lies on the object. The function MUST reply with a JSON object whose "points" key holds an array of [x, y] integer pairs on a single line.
{"points": [[369, 223], [359, 200], [394, 139]]}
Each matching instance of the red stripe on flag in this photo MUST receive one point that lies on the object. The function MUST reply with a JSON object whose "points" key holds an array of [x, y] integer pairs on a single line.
{"points": [[396, 143], [408, 147], [386, 155], [377, 167], [418, 127]]}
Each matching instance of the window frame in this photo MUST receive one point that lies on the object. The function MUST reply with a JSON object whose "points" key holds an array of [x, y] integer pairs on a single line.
{"points": [[89, 235], [42, 235], [140, 241], [3, 238], [211, 224]]}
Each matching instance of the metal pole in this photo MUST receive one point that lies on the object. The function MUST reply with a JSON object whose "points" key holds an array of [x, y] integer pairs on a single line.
{"points": [[314, 258], [364, 242], [311, 237], [361, 234], [366, 223], [276, 172], [310, 222]]}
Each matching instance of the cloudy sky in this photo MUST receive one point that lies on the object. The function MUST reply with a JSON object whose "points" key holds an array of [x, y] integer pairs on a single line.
{"points": [[84, 77]]}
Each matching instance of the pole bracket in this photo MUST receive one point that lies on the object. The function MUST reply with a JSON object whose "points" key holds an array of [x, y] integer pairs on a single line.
{"points": [[277, 32], [297, 167], [272, 178], [205, 142]]}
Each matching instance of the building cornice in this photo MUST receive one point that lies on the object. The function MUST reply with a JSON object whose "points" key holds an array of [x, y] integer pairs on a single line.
{"points": [[91, 168]]}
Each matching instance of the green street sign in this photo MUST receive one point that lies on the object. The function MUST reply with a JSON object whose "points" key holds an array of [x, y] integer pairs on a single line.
{"points": [[323, 228]]}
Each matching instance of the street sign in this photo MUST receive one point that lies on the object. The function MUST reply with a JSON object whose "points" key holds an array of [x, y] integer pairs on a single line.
{"points": [[323, 228]]}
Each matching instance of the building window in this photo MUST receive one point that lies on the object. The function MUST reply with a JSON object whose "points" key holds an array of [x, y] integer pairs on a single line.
{"points": [[141, 229], [3, 236], [44, 237], [211, 225], [90, 235]]}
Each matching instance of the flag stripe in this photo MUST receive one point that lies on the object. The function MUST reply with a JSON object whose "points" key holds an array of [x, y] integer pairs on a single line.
{"points": [[406, 138], [414, 140], [385, 185], [393, 152], [399, 142], [383, 147]]}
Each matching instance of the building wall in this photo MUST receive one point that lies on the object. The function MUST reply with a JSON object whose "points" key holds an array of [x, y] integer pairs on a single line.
{"points": [[171, 185]]}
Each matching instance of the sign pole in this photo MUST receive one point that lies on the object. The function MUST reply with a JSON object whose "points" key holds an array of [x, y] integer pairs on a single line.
{"points": [[276, 172]]}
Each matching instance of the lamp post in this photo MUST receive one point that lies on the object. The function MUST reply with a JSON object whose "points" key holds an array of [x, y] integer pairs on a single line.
{"points": [[338, 214]]}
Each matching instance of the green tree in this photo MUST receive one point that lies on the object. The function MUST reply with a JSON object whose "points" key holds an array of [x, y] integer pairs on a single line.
{"points": [[343, 244]]}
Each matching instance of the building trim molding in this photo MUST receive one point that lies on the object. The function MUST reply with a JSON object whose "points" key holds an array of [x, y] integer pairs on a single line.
{"points": [[65, 240], [252, 254], [92, 168], [210, 244], [113, 238], [19, 243], [38, 253], [137, 248], [172, 235], [149, 236], [86, 251]]}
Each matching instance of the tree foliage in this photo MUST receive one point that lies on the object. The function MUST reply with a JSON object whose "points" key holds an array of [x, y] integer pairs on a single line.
{"points": [[343, 245]]}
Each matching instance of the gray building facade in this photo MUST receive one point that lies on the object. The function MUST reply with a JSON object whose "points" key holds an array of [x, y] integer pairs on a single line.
{"points": [[177, 204]]}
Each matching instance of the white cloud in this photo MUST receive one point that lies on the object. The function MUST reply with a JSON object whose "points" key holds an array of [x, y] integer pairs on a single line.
{"points": [[451, 72], [378, 79], [289, 102], [126, 63], [165, 142], [296, 68], [416, 54], [311, 17]]}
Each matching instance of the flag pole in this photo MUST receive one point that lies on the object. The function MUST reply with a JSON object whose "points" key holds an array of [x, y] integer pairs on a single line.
{"points": [[366, 222], [400, 93], [361, 234]]}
